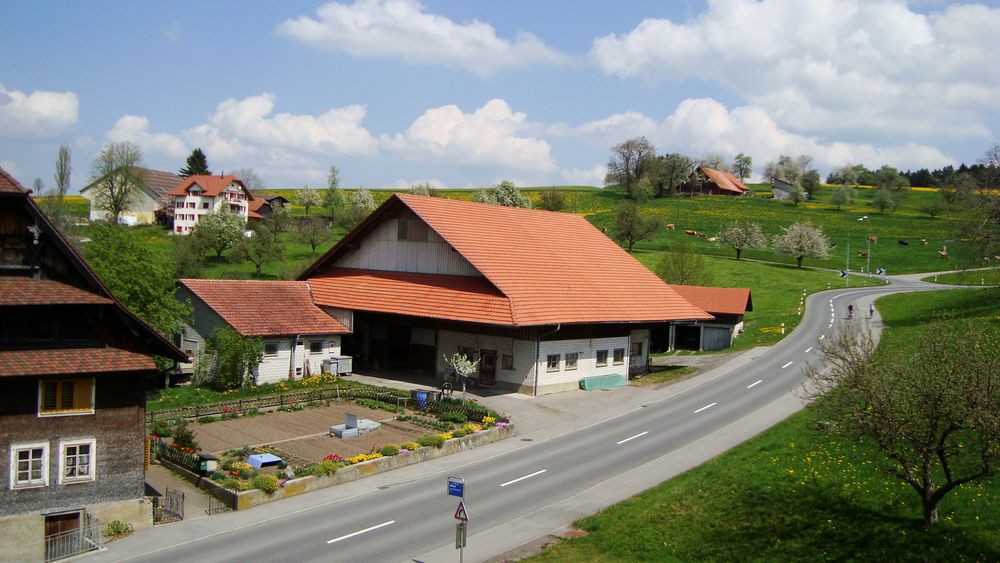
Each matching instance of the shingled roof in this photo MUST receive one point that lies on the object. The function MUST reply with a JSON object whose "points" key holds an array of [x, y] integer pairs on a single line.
{"points": [[719, 300], [211, 185], [9, 185], [725, 180], [551, 267], [265, 308]]}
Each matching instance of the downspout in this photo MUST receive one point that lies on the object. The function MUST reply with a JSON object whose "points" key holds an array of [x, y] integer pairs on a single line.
{"points": [[291, 357], [538, 351]]}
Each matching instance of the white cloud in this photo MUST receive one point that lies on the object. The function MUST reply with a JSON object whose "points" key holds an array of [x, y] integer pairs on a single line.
{"points": [[172, 31], [488, 137], [702, 126], [38, 114], [405, 184], [135, 129], [402, 29], [593, 176], [870, 70]]}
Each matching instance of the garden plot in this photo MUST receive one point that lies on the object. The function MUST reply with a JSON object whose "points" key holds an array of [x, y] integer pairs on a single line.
{"points": [[305, 433]]}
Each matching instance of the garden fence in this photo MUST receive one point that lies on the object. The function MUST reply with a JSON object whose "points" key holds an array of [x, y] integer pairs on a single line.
{"points": [[187, 460]]}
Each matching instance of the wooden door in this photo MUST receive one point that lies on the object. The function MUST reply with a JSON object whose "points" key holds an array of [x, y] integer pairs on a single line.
{"points": [[487, 367], [62, 537]]}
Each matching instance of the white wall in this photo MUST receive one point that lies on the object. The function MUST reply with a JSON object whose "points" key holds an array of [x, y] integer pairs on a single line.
{"points": [[274, 368], [142, 207], [586, 365], [522, 350], [380, 250]]}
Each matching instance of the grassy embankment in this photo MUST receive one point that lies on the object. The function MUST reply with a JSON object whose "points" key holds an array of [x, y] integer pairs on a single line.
{"points": [[968, 277], [796, 494]]}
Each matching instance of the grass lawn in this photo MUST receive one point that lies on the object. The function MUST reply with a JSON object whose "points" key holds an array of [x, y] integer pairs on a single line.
{"points": [[661, 374], [797, 494], [969, 277]]}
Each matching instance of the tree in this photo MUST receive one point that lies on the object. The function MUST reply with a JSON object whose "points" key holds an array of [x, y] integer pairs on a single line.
{"points": [[741, 235], [843, 196], [280, 220], [810, 182], [628, 161], [228, 360], [787, 168], [260, 248], [932, 408], [362, 199], [197, 164], [715, 161], [189, 256], [64, 168], [671, 172], [934, 207], [313, 231], [116, 175], [307, 197], [682, 265], [889, 179], [797, 194], [742, 166], [464, 367], [803, 240], [979, 223], [333, 178], [136, 274], [960, 187], [552, 200], [485, 196], [221, 230], [54, 203], [424, 189], [847, 175], [506, 194], [884, 199], [249, 178], [631, 226]]}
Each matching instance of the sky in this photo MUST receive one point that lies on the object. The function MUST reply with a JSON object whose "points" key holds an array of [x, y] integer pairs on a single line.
{"points": [[464, 93]]}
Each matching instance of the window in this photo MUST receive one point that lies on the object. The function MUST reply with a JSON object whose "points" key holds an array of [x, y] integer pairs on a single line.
{"points": [[29, 465], [553, 364], [507, 362], [619, 356], [204, 205], [602, 358], [316, 347], [179, 205], [571, 358], [66, 396], [270, 348], [636, 349], [77, 461], [411, 229], [190, 205]]}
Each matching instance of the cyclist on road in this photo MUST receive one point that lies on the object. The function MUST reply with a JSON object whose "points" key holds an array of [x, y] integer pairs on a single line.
{"points": [[850, 311]]}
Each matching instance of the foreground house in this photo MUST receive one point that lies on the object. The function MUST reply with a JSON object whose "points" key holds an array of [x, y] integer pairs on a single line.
{"points": [[201, 194], [297, 335], [708, 181], [542, 299], [727, 304], [151, 196], [73, 367]]}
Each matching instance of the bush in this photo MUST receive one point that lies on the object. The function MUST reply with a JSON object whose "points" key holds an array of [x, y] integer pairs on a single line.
{"points": [[431, 440], [460, 433], [454, 416], [208, 419], [409, 446], [325, 467], [431, 423], [236, 485], [184, 436], [378, 405], [163, 428], [266, 482], [218, 477], [389, 450], [117, 528]]}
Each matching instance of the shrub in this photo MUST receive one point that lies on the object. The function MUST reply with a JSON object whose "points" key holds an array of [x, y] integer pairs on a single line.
{"points": [[431, 423], [218, 477], [162, 428], [454, 416], [207, 419], [266, 482], [184, 436], [378, 405], [326, 467], [236, 485], [460, 433], [431, 440], [389, 450], [409, 446], [117, 528], [470, 428]]}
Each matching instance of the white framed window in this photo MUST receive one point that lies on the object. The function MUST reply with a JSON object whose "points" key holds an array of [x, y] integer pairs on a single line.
{"points": [[61, 397], [270, 348], [29, 465], [571, 358], [619, 356], [76, 460], [602, 358], [553, 362], [315, 346]]}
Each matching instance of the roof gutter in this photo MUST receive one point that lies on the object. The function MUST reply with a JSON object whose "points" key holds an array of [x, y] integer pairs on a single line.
{"points": [[538, 351]]}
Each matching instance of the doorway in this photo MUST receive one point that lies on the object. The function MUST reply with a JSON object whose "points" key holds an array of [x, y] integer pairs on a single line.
{"points": [[62, 535], [487, 367]]}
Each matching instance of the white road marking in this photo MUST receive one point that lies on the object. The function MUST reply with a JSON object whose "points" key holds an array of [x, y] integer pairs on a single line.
{"points": [[809, 349], [754, 383], [822, 336], [705, 407], [359, 532], [633, 437], [786, 365], [523, 478]]}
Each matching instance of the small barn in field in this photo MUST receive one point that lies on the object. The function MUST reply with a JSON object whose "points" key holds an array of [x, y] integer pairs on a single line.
{"points": [[708, 181], [727, 304]]}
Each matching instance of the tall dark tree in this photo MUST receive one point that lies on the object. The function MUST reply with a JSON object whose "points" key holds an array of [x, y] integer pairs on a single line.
{"points": [[631, 225], [197, 163], [628, 161]]}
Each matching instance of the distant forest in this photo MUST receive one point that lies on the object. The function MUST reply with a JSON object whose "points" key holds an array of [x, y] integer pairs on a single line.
{"points": [[947, 176]]}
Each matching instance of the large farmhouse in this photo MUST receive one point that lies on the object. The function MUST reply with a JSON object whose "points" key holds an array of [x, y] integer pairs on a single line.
{"points": [[201, 194], [150, 197], [541, 299], [73, 368], [708, 181]]}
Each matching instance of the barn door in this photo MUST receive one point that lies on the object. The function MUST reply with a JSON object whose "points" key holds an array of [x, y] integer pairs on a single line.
{"points": [[487, 367]]}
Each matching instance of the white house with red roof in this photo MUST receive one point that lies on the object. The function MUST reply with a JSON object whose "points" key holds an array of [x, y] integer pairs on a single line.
{"points": [[151, 195], [297, 335], [542, 299], [201, 194]]}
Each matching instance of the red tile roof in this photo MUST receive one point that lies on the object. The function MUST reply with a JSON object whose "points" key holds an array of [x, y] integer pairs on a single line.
{"points": [[265, 308], [457, 298], [722, 300], [159, 181], [15, 363], [9, 185], [211, 185], [725, 180], [553, 267], [29, 291]]}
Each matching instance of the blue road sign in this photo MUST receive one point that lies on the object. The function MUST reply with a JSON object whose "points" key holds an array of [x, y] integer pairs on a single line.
{"points": [[456, 487]]}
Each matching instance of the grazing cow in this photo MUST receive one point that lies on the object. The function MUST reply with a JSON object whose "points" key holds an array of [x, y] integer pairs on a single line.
{"points": [[997, 258], [671, 226], [923, 241], [873, 238], [833, 244], [903, 243], [713, 239], [943, 253], [986, 260], [699, 235], [863, 254]]}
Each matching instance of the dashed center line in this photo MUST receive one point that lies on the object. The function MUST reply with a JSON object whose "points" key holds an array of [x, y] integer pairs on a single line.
{"points": [[640, 434], [359, 532], [705, 407], [809, 349], [786, 365], [523, 478], [822, 336], [755, 383]]}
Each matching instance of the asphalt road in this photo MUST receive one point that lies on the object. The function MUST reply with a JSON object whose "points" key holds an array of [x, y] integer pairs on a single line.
{"points": [[512, 490]]}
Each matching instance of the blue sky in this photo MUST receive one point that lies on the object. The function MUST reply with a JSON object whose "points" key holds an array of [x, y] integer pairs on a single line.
{"points": [[462, 93]]}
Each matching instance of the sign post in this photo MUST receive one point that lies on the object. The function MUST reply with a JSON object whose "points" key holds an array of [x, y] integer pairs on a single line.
{"points": [[456, 488]]}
